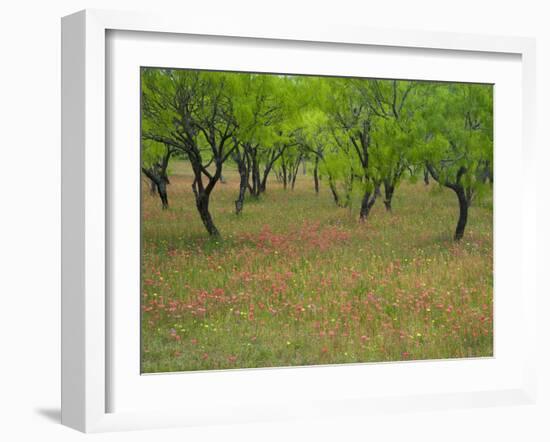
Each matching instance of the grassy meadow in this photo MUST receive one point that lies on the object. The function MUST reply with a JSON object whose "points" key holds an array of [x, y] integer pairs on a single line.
{"points": [[295, 280]]}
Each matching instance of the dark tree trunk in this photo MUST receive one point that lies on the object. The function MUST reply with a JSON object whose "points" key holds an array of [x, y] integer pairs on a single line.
{"points": [[255, 178], [273, 156], [263, 183], [294, 172], [366, 204], [242, 191], [463, 204], [257, 183], [388, 194], [158, 177], [316, 175], [202, 194], [426, 177], [203, 201], [464, 197], [293, 179], [251, 153], [158, 181], [152, 187], [243, 173], [163, 194], [284, 174], [333, 191]]}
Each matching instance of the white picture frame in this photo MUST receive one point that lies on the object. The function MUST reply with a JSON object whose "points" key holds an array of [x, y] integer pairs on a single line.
{"points": [[86, 204]]}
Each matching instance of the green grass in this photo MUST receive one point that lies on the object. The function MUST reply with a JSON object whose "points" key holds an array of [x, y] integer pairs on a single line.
{"points": [[296, 280]]}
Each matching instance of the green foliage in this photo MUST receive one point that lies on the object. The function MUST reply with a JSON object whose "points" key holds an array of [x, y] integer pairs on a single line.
{"points": [[361, 133], [456, 124]]}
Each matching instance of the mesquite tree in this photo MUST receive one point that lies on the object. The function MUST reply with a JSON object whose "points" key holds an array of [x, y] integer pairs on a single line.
{"points": [[340, 169], [288, 165], [392, 104], [192, 112], [154, 159], [361, 135], [313, 138], [457, 126], [352, 120], [263, 110]]}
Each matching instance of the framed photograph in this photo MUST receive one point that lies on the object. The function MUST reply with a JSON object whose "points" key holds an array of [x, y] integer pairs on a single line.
{"points": [[264, 223]]}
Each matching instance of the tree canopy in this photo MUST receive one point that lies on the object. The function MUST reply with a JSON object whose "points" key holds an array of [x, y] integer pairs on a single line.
{"points": [[362, 136]]}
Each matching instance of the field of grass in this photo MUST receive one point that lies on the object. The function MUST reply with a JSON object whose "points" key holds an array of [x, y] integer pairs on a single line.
{"points": [[296, 280]]}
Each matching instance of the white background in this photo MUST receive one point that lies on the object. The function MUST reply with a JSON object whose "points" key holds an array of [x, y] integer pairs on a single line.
{"points": [[30, 221]]}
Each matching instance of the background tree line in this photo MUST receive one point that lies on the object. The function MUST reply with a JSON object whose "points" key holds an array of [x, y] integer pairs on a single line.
{"points": [[362, 137]]}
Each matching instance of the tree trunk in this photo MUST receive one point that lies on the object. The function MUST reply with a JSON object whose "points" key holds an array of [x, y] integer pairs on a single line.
{"points": [[161, 187], [293, 180], [203, 201], [316, 175], [333, 191], [463, 204], [152, 187], [294, 172], [388, 194], [263, 183], [242, 188], [464, 198], [254, 188], [349, 190], [241, 161], [366, 205], [255, 178], [426, 177], [158, 181], [257, 183]]}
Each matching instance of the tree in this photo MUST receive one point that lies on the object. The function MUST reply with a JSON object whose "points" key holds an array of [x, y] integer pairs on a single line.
{"points": [[288, 164], [339, 167], [362, 135], [262, 111], [314, 137], [392, 105], [154, 159], [240, 160], [351, 120], [458, 133], [192, 112]]}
